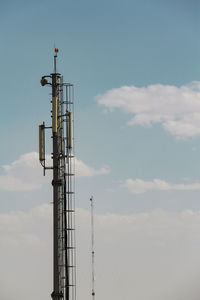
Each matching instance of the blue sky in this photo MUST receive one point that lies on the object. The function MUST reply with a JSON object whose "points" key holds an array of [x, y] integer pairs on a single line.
{"points": [[140, 144], [103, 45]]}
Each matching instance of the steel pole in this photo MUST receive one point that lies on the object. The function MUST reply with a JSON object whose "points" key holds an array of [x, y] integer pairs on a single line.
{"points": [[56, 295]]}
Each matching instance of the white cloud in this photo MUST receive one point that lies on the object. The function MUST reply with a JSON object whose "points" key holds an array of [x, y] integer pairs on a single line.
{"points": [[26, 174], [83, 170], [23, 174], [157, 250], [177, 109], [140, 186]]}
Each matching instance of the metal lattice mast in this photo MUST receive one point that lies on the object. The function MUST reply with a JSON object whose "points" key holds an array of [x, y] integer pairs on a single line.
{"points": [[64, 256], [92, 245]]}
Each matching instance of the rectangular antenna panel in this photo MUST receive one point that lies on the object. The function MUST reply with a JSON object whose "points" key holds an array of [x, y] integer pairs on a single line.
{"points": [[41, 143], [54, 114], [70, 129]]}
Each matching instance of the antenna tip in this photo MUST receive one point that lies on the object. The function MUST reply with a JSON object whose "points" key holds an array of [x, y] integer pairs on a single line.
{"points": [[56, 50]]}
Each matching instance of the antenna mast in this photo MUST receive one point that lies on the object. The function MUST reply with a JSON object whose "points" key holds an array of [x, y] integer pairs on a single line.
{"points": [[64, 258], [92, 242]]}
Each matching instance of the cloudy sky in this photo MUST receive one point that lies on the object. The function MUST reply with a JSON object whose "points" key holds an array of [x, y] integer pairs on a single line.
{"points": [[135, 65]]}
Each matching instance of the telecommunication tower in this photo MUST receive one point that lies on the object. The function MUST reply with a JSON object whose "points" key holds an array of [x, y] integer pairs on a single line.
{"points": [[64, 256]]}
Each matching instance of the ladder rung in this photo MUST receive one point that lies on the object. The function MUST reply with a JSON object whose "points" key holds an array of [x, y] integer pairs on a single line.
{"points": [[66, 266], [70, 285], [69, 156]]}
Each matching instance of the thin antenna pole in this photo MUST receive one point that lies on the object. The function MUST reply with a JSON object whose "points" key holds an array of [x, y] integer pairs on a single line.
{"points": [[56, 188], [92, 241], [55, 57]]}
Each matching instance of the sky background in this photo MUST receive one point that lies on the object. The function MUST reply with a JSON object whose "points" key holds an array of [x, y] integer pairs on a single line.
{"points": [[135, 66]]}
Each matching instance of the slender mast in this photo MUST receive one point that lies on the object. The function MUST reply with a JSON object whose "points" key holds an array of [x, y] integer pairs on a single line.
{"points": [[92, 242], [56, 294]]}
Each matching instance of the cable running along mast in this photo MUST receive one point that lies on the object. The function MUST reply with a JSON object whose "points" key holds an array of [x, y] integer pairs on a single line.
{"points": [[64, 258]]}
